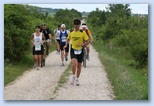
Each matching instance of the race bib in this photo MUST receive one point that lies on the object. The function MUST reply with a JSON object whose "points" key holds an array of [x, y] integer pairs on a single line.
{"points": [[37, 47], [77, 52]]}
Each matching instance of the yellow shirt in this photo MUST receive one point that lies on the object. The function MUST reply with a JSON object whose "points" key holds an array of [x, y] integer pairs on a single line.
{"points": [[77, 38]]}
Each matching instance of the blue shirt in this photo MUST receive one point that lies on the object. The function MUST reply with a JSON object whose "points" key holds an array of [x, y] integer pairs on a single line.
{"points": [[63, 36]]}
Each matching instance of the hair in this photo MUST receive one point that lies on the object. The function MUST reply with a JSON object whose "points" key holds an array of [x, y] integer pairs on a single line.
{"points": [[77, 20], [38, 27], [58, 25], [84, 24], [43, 24]]}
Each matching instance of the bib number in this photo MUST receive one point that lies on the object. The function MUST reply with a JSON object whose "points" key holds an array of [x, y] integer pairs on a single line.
{"points": [[77, 52], [37, 47]]}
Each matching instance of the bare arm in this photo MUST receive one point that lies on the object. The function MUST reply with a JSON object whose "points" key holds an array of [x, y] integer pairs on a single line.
{"points": [[67, 41], [91, 38], [55, 37], [50, 37], [43, 39]]}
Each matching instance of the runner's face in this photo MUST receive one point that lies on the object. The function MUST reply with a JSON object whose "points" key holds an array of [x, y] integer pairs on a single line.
{"points": [[44, 27], [76, 25], [37, 29], [84, 28], [63, 28], [58, 28]]}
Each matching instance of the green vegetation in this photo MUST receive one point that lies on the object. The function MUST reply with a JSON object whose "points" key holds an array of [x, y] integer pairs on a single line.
{"points": [[63, 79], [122, 43], [19, 24], [120, 38]]}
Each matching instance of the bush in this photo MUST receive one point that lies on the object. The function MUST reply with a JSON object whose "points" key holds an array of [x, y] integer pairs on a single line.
{"points": [[136, 43]]}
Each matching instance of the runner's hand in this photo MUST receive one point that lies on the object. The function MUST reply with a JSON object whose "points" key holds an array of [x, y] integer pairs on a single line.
{"points": [[64, 47]]}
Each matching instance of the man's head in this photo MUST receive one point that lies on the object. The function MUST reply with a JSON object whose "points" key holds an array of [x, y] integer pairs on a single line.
{"points": [[44, 26], [84, 26], [63, 27], [59, 27], [77, 24]]}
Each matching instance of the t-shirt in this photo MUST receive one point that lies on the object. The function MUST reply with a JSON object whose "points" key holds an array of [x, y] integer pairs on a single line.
{"points": [[88, 32], [63, 36], [57, 32], [46, 33], [77, 38]]}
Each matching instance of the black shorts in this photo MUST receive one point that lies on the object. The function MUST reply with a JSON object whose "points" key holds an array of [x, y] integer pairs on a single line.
{"points": [[58, 41], [41, 52], [62, 46], [78, 57]]}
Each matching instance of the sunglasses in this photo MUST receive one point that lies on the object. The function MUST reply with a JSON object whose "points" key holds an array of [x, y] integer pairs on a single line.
{"points": [[76, 23]]}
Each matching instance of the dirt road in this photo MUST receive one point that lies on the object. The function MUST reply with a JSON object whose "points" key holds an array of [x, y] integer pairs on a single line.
{"points": [[39, 85]]}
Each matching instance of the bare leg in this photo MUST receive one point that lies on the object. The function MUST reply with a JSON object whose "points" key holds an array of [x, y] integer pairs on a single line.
{"points": [[74, 65], [78, 69], [39, 60], [88, 49], [62, 56]]}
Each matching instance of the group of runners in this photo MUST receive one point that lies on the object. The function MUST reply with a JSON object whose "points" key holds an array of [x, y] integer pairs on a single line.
{"points": [[78, 38]]}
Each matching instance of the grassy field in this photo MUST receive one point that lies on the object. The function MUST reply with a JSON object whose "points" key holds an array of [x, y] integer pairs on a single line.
{"points": [[129, 82], [14, 70]]}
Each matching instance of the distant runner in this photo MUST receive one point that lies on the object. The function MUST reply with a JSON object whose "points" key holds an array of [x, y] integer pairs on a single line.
{"points": [[57, 38], [48, 38], [63, 36], [37, 40], [85, 28]]}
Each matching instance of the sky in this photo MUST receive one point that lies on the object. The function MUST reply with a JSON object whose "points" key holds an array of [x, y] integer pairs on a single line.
{"points": [[136, 8]]}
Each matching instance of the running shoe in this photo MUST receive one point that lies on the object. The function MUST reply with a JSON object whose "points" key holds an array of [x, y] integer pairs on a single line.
{"points": [[73, 80], [38, 68], [77, 82], [62, 64]]}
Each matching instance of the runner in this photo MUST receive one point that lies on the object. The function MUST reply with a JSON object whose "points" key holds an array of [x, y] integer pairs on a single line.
{"points": [[85, 28], [48, 38], [63, 36], [37, 39], [77, 37], [57, 39]]}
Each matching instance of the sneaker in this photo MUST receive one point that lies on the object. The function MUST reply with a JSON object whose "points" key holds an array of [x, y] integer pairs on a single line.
{"points": [[77, 82], [59, 52], [73, 80], [38, 68], [62, 64], [66, 58], [35, 64]]}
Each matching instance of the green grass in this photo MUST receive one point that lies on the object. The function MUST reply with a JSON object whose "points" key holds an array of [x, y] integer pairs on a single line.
{"points": [[129, 82], [12, 70], [63, 79]]}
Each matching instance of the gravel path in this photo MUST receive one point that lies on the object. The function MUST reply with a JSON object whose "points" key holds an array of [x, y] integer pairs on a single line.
{"points": [[94, 84], [37, 84], [40, 84]]}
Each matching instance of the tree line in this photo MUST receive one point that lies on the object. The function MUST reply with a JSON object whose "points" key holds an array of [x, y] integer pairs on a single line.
{"points": [[118, 29], [20, 22]]}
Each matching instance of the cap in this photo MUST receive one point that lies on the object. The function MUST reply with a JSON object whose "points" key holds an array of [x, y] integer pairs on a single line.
{"points": [[63, 26]]}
